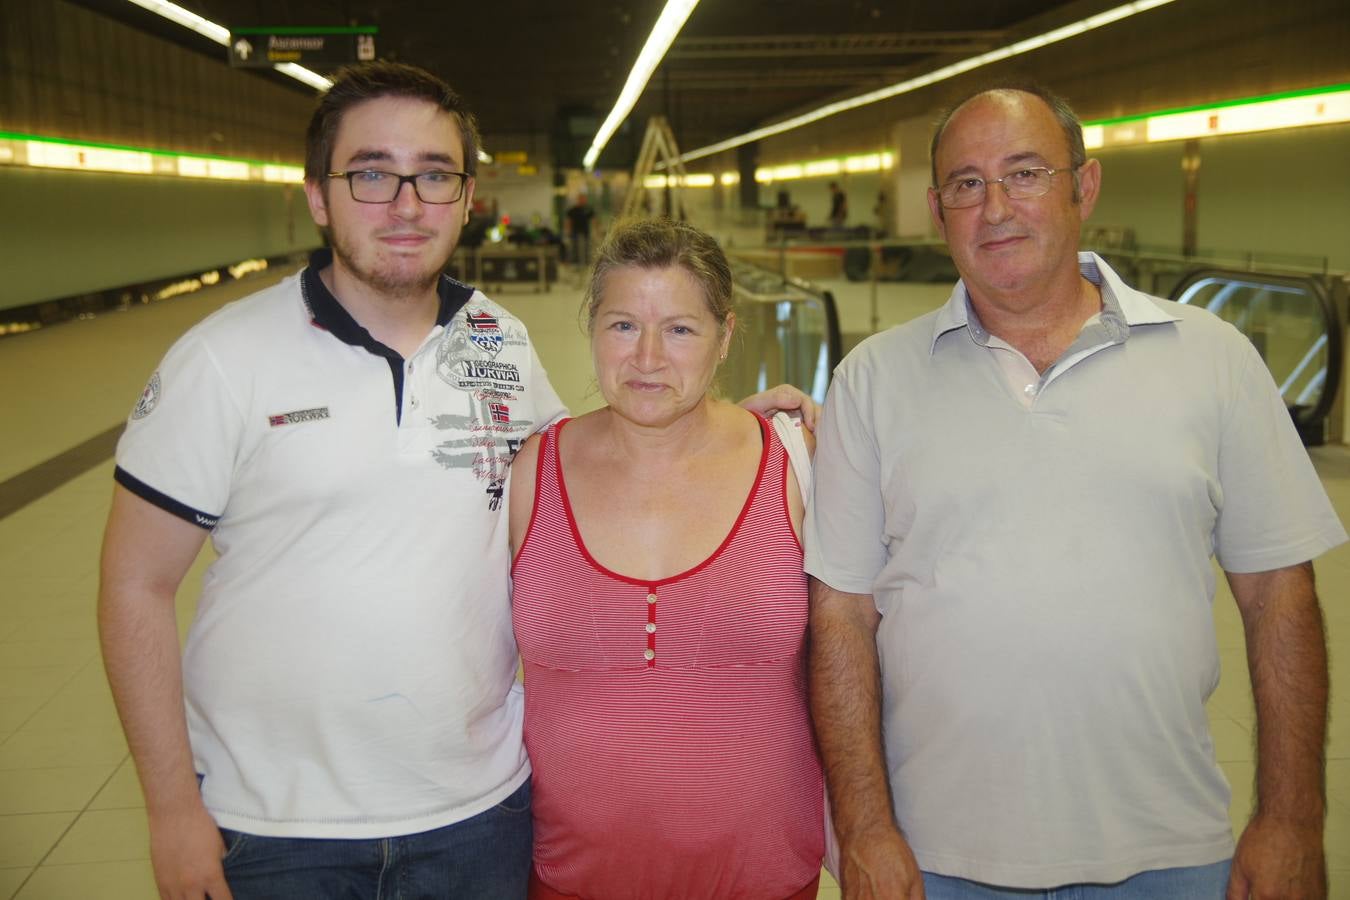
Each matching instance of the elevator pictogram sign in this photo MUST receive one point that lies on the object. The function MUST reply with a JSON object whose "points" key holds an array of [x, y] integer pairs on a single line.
{"points": [[329, 47]]}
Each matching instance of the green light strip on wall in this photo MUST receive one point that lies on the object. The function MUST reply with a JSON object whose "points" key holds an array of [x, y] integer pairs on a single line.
{"points": [[16, 136], [1230, 104]]}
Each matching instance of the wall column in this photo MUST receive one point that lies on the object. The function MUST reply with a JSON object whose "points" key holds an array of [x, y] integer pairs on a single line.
{"points": [[909, 179]]}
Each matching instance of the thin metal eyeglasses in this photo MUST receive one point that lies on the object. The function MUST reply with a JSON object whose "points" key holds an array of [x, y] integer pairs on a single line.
{"points": [[1022, 184], [375, 186]]}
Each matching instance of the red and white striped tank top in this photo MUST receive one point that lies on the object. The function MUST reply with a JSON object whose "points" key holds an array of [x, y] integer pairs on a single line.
{"points": [[666, 721]]}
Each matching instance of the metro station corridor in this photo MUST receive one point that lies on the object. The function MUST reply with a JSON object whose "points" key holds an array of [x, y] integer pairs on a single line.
{"points": [[153, 160], [72, 821]]}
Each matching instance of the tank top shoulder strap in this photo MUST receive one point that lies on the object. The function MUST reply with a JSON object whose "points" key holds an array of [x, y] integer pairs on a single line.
{"points": [[770, 497], [546, 474], [549, 513]]}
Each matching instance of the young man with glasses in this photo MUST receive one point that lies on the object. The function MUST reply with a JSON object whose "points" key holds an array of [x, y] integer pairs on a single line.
{"points": [[352, 720], [353, 724], [1016, 502]]}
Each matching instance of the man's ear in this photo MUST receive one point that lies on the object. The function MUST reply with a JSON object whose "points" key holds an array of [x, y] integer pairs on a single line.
{"points": [[1089, 187], [468, 199], [317, 197], [935, 210]]}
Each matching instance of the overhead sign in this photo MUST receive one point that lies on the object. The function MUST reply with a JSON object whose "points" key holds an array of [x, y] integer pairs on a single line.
{"points": [[261, 48], [511, 157]]}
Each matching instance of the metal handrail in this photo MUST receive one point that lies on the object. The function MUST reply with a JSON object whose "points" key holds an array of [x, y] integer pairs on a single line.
{"points": [[767, 286], [1317, 288]]}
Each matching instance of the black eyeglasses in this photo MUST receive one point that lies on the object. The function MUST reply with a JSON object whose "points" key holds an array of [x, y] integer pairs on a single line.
{"points": [[1022, 184], [375, 186]]}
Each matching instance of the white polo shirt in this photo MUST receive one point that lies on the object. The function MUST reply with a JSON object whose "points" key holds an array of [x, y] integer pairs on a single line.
{"points": [[351, 670], [1041, 557]]}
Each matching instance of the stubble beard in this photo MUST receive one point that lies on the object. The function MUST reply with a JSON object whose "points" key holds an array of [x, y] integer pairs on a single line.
{"points": [[390, 284]]}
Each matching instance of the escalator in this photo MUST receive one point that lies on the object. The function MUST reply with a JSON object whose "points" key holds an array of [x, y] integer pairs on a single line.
{"points": [[787, 332], [1294, 323]]}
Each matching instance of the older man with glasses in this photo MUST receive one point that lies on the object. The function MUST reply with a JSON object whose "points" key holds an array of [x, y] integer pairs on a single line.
{"points": [[1016, 503]]}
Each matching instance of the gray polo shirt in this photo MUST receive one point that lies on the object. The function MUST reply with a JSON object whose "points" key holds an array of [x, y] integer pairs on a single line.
{"points": [[1043, 570]]}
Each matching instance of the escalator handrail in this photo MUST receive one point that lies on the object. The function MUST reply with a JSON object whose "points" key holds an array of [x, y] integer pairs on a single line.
{"points": [[834, 338], [1309, 284]]}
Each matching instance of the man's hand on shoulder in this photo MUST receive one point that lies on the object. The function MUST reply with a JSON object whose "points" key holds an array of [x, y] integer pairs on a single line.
{"points": [[1278, 860], [186, 851], [784, 398], [878, 865]]}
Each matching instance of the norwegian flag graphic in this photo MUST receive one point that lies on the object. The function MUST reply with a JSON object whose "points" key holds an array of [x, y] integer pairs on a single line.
{"points": [[501, 413]]}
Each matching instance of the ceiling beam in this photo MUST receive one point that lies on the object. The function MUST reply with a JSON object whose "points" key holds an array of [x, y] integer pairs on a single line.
{"points": [[799, 45]]}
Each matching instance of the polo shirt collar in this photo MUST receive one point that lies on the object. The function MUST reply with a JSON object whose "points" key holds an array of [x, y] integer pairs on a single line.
{"points": [[327, 313], [1122, 307]]}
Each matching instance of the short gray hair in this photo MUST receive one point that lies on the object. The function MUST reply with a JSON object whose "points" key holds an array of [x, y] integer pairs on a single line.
{"points": [[1064, 114]]}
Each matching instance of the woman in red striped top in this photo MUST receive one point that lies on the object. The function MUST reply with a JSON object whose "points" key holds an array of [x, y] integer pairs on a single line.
{"points": [[661, 609]]}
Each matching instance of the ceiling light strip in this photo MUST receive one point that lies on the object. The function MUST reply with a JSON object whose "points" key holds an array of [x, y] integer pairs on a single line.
{"points": [[175, 13], [942, 74], [658, 42], [305, 76]]}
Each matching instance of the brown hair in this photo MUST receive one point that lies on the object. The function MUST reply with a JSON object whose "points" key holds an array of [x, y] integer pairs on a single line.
{"points": [[368, 81], [657, 244]]}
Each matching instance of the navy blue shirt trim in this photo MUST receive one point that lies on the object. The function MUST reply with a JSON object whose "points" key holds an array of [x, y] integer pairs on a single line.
{"points": [[164, 501], [330, 315]]}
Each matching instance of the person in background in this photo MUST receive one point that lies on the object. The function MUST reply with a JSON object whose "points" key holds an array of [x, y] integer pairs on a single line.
{"points": [[881, 213], [838, 206], [1015, 506], [660, 608], [579, 223]]}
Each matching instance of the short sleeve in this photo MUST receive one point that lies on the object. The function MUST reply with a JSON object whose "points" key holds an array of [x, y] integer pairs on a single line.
{"points": [[845, 519], [182, 438], [1274, 511], [548, 407]]}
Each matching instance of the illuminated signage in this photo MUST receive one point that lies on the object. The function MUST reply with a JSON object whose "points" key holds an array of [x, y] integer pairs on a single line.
{"points": [[262, 48]]}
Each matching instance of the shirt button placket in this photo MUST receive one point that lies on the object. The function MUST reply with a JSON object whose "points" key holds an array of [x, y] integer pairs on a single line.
{"points": [[650, 653]]}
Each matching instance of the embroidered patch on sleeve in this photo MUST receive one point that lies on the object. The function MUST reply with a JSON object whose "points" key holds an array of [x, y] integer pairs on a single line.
{"points": [[149, 398]]}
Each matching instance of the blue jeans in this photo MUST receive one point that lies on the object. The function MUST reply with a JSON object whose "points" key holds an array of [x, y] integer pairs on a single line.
{"points": [[1188, 883], [486, 857]]}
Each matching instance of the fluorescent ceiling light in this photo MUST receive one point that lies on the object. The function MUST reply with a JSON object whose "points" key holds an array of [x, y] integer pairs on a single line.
{"points": [[658, 42], [221, 35], [175, 13], [305, 76], [933, 77]]}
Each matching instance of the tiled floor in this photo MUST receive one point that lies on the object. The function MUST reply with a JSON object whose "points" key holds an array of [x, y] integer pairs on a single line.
{"points": [[71, 818]]}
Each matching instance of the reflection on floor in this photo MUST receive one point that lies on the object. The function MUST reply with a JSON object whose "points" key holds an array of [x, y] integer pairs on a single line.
{"points": [[71, 817]]}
